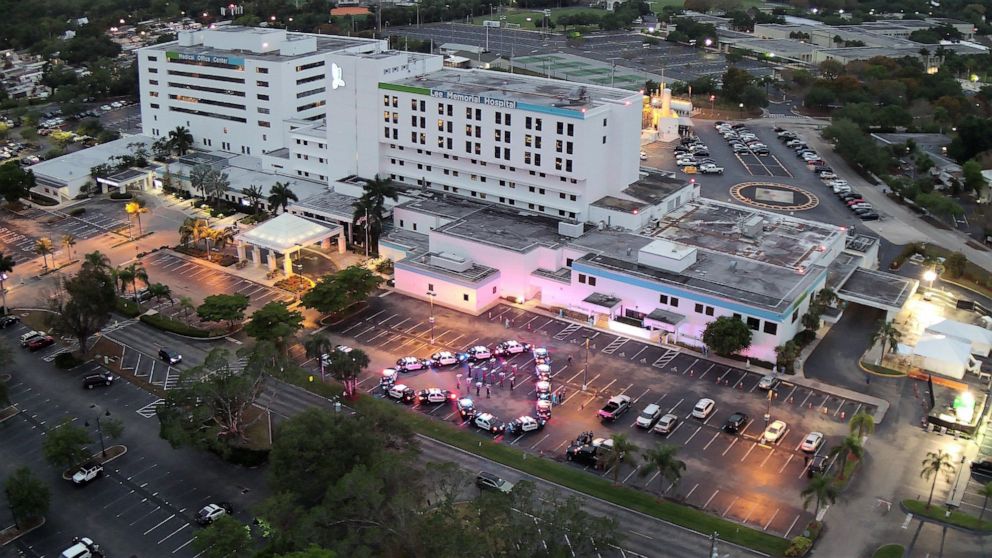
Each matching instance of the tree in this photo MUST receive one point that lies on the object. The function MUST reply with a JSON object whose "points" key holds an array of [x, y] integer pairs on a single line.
{"points": [[622, 449], [274, 322], [187, 306], [65, 445], [27, 496], [97, 260], [224, 537], [254, 195], [223, 307], [346, 367], [317, 346], [955, 264], [160, 292], [663, 460], [974, 180], [863, 423], [820, 489], [280, 195], [131, 274], [180, 140], [135, 209], [727, 336], [850, 447], [68, 242], [811, 319], [370, 210], [786, 355], [43, 247], [90, 298], [216, 184], [15, 182], [199, 177], [334, 293], [939, 204], [7, 264], [211, 402], [935, 463], [887, 334], [985, 491]]}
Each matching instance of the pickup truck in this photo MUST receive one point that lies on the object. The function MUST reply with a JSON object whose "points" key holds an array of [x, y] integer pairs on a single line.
{"points": [[710, 168], [615, 407], [82, 547], [86, 473]]}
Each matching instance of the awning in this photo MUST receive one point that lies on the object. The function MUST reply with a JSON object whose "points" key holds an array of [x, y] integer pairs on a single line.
{"points": [[603, 301], [685, 121], [663, 319], [286, 232]]}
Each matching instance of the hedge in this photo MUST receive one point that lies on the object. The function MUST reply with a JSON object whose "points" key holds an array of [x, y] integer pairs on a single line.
{"points": [[173, 326], [939, 513], [121, 195], [127, 307], [77, 211], [66, 361]]}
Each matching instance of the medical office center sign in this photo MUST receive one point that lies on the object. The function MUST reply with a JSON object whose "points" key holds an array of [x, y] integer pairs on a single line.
{"points": [[478, 99], [207, 58]]}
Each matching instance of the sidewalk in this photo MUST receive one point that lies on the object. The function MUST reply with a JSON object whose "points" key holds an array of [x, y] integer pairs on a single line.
{"points": [[904, 226]]}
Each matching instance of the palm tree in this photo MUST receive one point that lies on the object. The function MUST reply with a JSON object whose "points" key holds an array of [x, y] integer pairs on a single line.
{"points": [[934, 463], [317, 346], [662, 459], [985, 491], [180, 140], [160, 292], [186, 230], [887, 334], [346, 367], [370, 210], [186, 303], [7, 264], [862, 422], [131, 274], [68, 241], [216, 184], [821, 489], [623, 449], [123, 277], [849, 447], [97, 260], [43, 247], [135, 208], [254, 195], [280, 195], [222, 237]]}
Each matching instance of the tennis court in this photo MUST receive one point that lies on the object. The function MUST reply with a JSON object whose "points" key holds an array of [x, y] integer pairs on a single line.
{"points": [[584, 70]]}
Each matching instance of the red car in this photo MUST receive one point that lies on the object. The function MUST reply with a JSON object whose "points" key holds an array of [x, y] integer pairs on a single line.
{"points": [[854, 201], [39, 343]]}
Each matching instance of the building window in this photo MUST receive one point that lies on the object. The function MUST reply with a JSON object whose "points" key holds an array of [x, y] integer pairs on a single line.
{"points": [[795, 315], [709, 310], [673, 301], [262, 97], [771, 328], [571, 129], [528, 121], [699, 308], [663, 299], [385, 100], [264, 124], [582, 278], [753, 323], [592, 280], [262, 83], [465, 297]]}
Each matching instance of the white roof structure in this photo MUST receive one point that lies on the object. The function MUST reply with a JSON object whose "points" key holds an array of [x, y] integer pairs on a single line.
{"points": [[979, 338], [943, 355], [286, 232]]}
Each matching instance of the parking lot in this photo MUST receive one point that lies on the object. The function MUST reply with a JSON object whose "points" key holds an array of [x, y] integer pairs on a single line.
{"points": [[717, 462], [145, 502], [189, 277], [19, 231]]}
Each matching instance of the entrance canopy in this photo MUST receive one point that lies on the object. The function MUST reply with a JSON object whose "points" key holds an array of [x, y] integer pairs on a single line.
{"points": [[601, 302], [287, 232], [663, 319], [877, 289]]}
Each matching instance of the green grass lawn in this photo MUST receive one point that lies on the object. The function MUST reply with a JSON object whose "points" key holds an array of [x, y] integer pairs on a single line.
{"points": [[889, 551], [939, 513], [520, 16]]}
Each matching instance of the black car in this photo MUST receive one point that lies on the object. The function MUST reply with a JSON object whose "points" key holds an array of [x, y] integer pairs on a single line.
{"points": [[8, 321], [823, 168], [169, 356], [869, 216], [818, 465], [982, 466], [581, 454], [102, 379], [735, 423]]}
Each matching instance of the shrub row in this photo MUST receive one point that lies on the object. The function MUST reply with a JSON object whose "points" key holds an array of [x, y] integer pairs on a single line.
{"points": [[166, 323]]}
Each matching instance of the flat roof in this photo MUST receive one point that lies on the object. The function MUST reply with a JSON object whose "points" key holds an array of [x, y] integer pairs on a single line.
{"points": [[782, 47], [442, 205], [495, 226], [537, 91], [243, 171], [411, 242], [325, 44], [860, 243], [328, 201], [286, 232], [474, 274], [886, 290], [77, 165]]}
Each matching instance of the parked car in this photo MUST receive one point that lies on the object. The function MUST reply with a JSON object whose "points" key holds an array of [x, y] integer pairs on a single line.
{"points": [[39, 343], [490, 423], [774, 432], [489, 481], [443, 358], [710, 168], [212, 512], [666, 424], [648, 416], [511, 347], [735, 423], [614, 408], [8, 320], [402, 392], [812, 442], [434, 395], [983, 466], [480, 352], [169, 356], [100, 379], [541, 356], [27, 337], [769, 382], [409, 364], [466, 408], [82, 547], [525, 424], [872, 216], [87, 473], [703, 408]]}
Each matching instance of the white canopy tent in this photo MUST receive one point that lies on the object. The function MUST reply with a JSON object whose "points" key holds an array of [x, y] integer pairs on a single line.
{"points": [[943, 355], [286, 234], [979, 338]]}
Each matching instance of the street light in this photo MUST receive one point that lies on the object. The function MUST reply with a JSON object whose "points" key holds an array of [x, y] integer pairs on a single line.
{"points": [[930, 275], [768, 410], [432, 294], [99, 427], [585, 368], [741, 106]]}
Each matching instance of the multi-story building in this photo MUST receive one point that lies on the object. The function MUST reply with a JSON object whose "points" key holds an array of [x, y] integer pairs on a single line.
{"points": [[235, 87]]}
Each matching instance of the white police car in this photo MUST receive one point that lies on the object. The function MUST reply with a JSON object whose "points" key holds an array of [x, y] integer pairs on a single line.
{"points": [[543, 372], [409, 364], [511, 347], [434, 395], [489, 423], [443, 358], [526, 423], [480, 352], [542, 356], [543, 390], [401, 392], [466, 408]]}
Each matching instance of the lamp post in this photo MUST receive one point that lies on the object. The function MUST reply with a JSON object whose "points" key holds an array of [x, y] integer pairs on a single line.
{"points": [[431, 295], [99, 427], [741, 106], [585, 367], [930, 275], [768, 409]]}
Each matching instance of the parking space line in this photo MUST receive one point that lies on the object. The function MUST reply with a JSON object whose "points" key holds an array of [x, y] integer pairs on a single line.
{"points": [[636, 399], [731, 445], [726, 511], [791, 527], [770, 519], [691, 491], [540, 441], [703, 375], [810, 394], [786, 464], [644, 348], [787, 397], [840, 406], [707, 504], [749, 450], [691, 436], [160, 524], [185, 525], [771, 451], [707, 446], [184, 545]]}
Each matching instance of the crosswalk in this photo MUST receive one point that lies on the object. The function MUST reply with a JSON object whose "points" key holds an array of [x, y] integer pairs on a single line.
{"points": [[149, 410], [665, 359], [563, 334], [616, 344]]}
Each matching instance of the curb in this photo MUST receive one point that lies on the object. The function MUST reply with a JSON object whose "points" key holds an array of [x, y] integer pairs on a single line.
{"points": [[946, 524], [879, 374], [22, 533], [5, 419], [67, 474]]}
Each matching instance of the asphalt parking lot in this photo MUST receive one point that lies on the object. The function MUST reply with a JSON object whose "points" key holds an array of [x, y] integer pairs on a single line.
{"points": [[191, 278], [718, 463], [144, 504], [19, 231]]}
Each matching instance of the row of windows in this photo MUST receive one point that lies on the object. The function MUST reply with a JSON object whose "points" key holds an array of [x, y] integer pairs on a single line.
{"points": [[415, 138], [307, 158], [307, 143], [306, 174], [203, 88], [196, 100], [305, 67], [309, 106], [302, 94], [754, 324], [202, 63], [206, 114], [482, 195], [202, 76], [310, 79], [587, 280]]}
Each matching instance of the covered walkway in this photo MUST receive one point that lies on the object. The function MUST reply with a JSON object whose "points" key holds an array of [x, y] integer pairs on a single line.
{"points": [[286, 234]]}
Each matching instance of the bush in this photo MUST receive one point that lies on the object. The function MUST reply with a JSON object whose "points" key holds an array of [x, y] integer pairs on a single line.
{"points": [[804, 338], [65, 361], [77, 211], [127, 307], [120, 196], [173, 326], [799, 547], [237, 455], [42, 200]]}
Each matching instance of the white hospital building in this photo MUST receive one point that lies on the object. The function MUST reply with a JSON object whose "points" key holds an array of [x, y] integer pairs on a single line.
{"points": [[514, 186]]}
